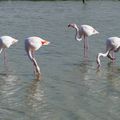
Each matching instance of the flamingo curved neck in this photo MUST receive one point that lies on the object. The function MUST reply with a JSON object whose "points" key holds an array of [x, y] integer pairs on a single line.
{"points": [[77, 37], [99, 55], [34, 62]]}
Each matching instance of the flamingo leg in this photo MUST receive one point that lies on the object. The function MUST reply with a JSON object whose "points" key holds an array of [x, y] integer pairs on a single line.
{"points": [[111, 56], [5, 60], [85, 47]]}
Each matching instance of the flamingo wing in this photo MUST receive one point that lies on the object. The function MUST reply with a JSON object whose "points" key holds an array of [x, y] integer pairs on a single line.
{"points": [[88, 30]]}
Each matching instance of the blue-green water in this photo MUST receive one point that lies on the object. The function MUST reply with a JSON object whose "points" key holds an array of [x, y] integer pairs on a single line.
{"points": [[70, 89]]}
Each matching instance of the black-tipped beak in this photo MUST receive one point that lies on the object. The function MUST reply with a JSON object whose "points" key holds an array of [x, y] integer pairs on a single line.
{"points": [[68, 25]]}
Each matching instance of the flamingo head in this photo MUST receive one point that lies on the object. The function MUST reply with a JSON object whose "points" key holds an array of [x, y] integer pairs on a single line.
{"points": [[45, 42], [73, 25]]}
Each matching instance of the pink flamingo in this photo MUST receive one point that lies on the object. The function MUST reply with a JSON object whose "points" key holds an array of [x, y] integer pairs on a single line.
{"points": [[82, 33], [112, 45], [31, 45], [6, 42]]}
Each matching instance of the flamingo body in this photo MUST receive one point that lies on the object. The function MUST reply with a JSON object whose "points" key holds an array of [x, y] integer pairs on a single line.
{"points": [[112, 45], [113, 42], [88, 30], [7, 41], [32, 44]]}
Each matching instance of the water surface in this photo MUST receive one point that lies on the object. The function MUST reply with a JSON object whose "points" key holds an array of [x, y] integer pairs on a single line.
{"points": [[70, 89]]}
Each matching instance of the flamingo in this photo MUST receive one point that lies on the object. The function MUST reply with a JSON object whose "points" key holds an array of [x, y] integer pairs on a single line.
{"points": [[6, 42], [112, 45], [82, 33], [32, 44]]}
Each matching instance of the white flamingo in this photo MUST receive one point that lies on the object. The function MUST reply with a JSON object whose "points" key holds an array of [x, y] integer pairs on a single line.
{"points": [[112, 45], [82, 33], [6, 42], [31, 45]]}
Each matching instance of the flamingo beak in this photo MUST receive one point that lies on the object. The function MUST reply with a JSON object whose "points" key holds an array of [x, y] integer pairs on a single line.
{"points": [[68, 25], [71, 25], [45, 42]]}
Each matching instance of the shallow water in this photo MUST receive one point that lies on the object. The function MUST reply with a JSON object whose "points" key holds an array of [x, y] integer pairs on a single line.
{"points": [[70, 89]]}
